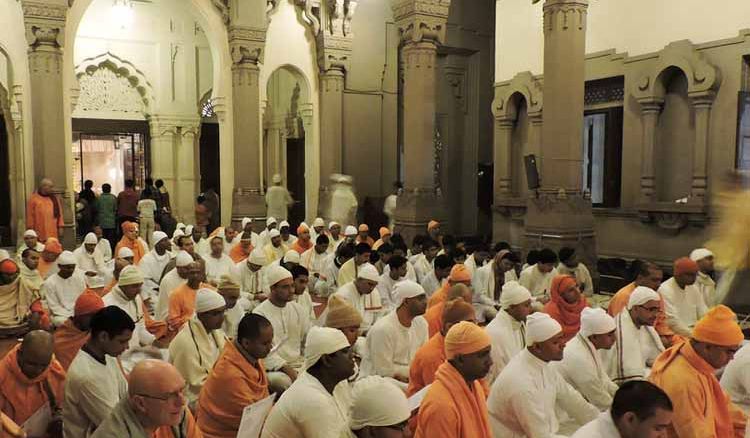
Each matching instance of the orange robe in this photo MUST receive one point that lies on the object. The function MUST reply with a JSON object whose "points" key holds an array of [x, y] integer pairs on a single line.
{"points": [[68, 340], [233, 384], [40, 216], [43, 267], [425, 364], [619, 302], [21, 397], [368, 241], [181, 305], [701, 407], [237, 254], [440, 296], [135, 245], [434, 317], [451, 409], [301, 247], [192, 429]]}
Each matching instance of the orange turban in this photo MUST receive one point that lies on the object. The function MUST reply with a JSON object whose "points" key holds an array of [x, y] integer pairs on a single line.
{"points": [[364, 227], [719, 327], [465, 338], [432, 224], [302, 228], [458, 310], [88, 303], [8, 266], [459, 274], [129, 226], [384, 232], [53, 245], [685, 266]]}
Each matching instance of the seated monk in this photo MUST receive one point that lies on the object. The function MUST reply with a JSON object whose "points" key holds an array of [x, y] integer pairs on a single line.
{"points": [[182, 299], [155, 406], [31, 380], [70, 337], [459, 274], [566, 304], [48, 261], [238, 379], [242, 250], [434, 315], [20, 304], [131, 240]]}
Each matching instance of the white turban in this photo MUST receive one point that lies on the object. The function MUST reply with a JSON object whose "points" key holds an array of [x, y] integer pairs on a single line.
{"points": [[333, 224], [183, 259], [189, 230], [284, 224], [270, 220], [90, 239], [595, 321], [700, 254], [321, 341], [158, 236], [177, 233], [245, 221], [513, 293], [377, 402], [350, 231], [130, 275], [125, 252], [207, 300], [292, 256], [318, 222], [642, 295], [277, 273], [368, 272], [4, 255], [258, 257], [406, 289], [541, 327], [66, 258], [30, 233], [180, 226], [274, 233]]}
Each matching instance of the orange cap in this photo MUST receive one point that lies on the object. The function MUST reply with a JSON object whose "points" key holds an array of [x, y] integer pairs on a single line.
{"points": [[53, 245], [88, 303], [364, 227], [465, 338], [459, 274], [719, 327], [384, 231]]}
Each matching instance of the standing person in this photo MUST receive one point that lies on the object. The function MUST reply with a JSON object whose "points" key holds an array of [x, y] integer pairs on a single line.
{"points": [[389, 206], [202, 213], [343, 200], [44, 212], [89, 214], [213, 203], [164, 203], [149, 191], [127, 203], [88, 193], [147, 217], [278, 199], [106, 214]]}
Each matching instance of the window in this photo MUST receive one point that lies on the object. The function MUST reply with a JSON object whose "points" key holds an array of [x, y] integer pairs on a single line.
{"points": [[602, 155]]}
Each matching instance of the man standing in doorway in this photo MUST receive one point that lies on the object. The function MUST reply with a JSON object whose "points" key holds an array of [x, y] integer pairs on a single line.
{"points": [[106, 212], [127, 203], [44, 212], [278, 199]]}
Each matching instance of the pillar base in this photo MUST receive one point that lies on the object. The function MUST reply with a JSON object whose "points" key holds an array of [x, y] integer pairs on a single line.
{"points": [[416, 208], [248, 203]]}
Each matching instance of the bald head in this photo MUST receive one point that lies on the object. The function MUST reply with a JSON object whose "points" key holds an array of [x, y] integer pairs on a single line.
{"points": [[149, 375], [156, 393], [35, 353], [459, 290]]}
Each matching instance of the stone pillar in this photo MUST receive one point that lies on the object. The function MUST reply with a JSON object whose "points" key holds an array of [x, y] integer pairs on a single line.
{"points": [[247, 51], [331, 133], [45, 29], [503, 187], [186, 179], [702, 105], [650, 110], [422, 26], [163, 153]]}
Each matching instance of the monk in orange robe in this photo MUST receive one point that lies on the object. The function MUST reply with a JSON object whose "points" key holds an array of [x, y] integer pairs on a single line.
{"points": [[242, 250], [455, 404], [434, 315], [70, 337], [52, 250], [30, 377], [238, 379], [44, 212], [686, 372], [566, 304], [364, 236], [130, 240], [182, 299], [303, 242], [459, 274]]}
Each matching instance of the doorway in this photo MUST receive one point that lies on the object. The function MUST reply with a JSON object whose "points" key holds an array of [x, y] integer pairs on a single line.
{"points": [[209, 157], [295, 179], [5, 207]]}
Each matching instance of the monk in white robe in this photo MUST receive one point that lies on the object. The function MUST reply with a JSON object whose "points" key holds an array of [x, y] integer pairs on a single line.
{"points": [[361, 295], [329, 282], [705, 284], [423, 263], [274, 249], [569, 265], [488, 283], [264, 237], [348, 271], [315, 258], [153, 264], [736, 378], [438, 276], [62, 289], [31, 241], [171, 281], [89, 260], [389, 280], [683, 302], [507, 330], [538, 278], [218, 264], [251, 275]]}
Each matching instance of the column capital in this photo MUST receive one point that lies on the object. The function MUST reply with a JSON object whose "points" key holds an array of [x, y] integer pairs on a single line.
{"points": [[420, 20], [247, 44], [561, 15], [703, 99], [334, 52], [651, 104], [45, 24]]}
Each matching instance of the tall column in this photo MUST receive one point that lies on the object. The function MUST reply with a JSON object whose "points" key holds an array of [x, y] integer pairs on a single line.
{"points": [[422, 26], [503, 187], [185, 171], [45, 28], [702, 105], [162, 145], [650, 110], [247, 51]]}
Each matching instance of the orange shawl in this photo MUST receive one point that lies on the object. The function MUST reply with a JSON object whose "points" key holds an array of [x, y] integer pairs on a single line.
{"points": [[434, 317], [568, 315], [134, 245], [425, 364], [452, 410], [301, 246], [440, 296], [21, 397], [181, 305], [43, 267], [68, 340], [237, 254], [233, 384]]}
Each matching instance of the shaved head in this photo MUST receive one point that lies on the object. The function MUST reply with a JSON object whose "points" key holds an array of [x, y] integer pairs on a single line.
{"points": [[459, 290], [151, 376], [35, 353]]}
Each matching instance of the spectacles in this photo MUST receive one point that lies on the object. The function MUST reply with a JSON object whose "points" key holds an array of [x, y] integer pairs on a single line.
{"points": [[169, 397]]}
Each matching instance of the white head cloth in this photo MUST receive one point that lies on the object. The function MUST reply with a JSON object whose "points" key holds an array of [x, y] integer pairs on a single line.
{"points": [[158, 236], [125, 252], [90, 239], [350, 231], [180, 226], [406, 289], [245, 221], [183, 259], [321, 341], [30, 233], [700, 254], [189, 230], [130, 275], [66, 258], [258, 257], [270, 220], [595, 321], [318, 222], [333, 224], [207, 300], [177, 233], [292, 256], [277, 273], [284, 224], [541, 327], [368, 272], [513, 293], [274, 233], [642, 295], [377, 402]]}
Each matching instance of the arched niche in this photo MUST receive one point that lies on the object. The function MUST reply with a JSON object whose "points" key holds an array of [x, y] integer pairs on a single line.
{"points": [[519, 144]]}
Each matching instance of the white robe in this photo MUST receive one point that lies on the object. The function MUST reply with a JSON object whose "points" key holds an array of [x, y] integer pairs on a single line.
{"points": [[471, 265], [315, 264], [632, 350], [523, 398], [385, 289], [602, 427], [483, 285], [203, 248], [582, 276], [422, 266], [141, 336], [216, 268], [583, 368], [430, 283], [22, 246], [306, 410], [536, 282], [105, 249], [305, 300], [278, 201], [508, 338], [290, 326], [90, 262], [391, 346], [169, 283], [683, 307], [251, 283], [61, 295], [736, 378], [411, 274], [92, 390], [152, 267], [233, 316], [344, 205], [369, 306], [193, 352], [707, 287], [324, 288]]}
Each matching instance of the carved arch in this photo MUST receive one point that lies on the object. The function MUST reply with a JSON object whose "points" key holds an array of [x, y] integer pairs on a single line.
{"points": [[524, 83]]}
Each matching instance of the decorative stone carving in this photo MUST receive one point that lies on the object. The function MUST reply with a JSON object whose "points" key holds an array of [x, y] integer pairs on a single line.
{"points": [[223, 7], [421, 20], [311, 14], [45, 24], [525, 84], [247, 44]]}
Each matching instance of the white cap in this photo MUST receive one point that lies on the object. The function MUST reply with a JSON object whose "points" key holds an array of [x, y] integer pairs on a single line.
{"points": [[258, 257], [207, 299], [274, 233], [377, 402], [177, 233], [700, 254], [321, 341], [66, 258], [350, 231], [4, 255], [183, 259], [406, 289], [276, 274], [270, 220], [125, 252], [179, 226], [292, 256], [158, 236], [513, 293], [30, 233], [276, 178], [333, 224], [284, 224], [245, 221], [90, 239], [541, 327], [595, 321], [642, 295], [130, 275], [95, 281], [318, 222], [368, 272], [189, 230]]}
